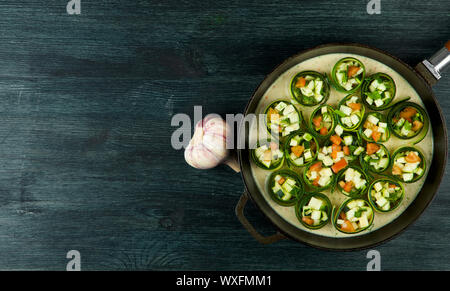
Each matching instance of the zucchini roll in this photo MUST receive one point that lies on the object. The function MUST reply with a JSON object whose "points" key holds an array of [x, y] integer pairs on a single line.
{"points": [[408, 164], [352, 182], [301, 149], [322, 121], [375, 128], [385, 194], [407, 120], [309, 88], [318, 176], [350, 112], [348, 74], [339, 151], [285, 187], [353, 216], [376, 158], [314, 210], [378, 91], [268, 155], [282, 118]]}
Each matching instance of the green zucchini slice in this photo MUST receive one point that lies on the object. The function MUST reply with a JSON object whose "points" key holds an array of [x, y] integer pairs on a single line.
{"points": [[314, 210], [285, 187], [322, 121], [408, 120], [310, 88], [353, 216], [301, 149], [348, 75], [268, 155], [282, 118], [385, 194], [378, 91], [375, 158], [374, 128], [318, 177], [350, 112], [352, 181], [408, 164]]}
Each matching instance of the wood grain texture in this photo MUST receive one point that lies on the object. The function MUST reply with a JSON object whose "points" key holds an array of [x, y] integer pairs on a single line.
{"points": [[86, 103]]}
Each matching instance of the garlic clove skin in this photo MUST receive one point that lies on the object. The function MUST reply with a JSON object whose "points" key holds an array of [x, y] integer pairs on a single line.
{"points": [[207, 147]]}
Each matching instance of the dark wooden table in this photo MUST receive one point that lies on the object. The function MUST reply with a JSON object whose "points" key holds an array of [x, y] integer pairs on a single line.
{"points": [[86, 103]]}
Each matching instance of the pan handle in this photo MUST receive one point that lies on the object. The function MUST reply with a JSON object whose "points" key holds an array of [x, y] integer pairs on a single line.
{"points": [[432, 68], [253, 232]]}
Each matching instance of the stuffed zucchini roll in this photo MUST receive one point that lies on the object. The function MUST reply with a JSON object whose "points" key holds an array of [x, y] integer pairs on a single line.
{"points": [[350, 112], [407, 120], [309, 88], [318, 176], [374, 128], [378, 91], [314, 210], [352, 182], [268, 155], [322, 121], [340, 151], [353, 216], [285, 187], [282, 118], [301, 149], [376, 158], [385, 194], [348, 74], [408, 164]]}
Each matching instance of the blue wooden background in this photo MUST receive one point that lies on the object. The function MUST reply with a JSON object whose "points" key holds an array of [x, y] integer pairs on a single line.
{"points": [[85, 108]]}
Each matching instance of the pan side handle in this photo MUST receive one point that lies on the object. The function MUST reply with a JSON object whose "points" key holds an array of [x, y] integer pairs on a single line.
{"points": [[431, 69], [253, 232]]}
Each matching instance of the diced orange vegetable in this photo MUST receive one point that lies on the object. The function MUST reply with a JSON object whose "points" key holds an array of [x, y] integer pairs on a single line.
{"points": [[372, 148], [273, 114], [408, 113], [317, 121], [348, 186], [336, 148], [412, 158], [273, 146], [352, 70], [376, 135], [342, 184], [396, 170], [298, 150], [342, 163], [355, 106], [307, 220], [323, 131], [342, 214], [392, 186], [346, 150], [347, 226], [316, 181], [334, 155], [316, 167], [417, 125], [368, 124], [336, 139], [281, 181], [301, 82]]}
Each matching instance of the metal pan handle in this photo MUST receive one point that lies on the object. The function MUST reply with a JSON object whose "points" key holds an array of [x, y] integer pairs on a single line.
{"points": [[432, 68], [253, 232]]}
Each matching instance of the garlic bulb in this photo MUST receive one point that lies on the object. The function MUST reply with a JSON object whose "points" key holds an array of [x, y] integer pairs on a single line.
{"points": [[208, 146]]}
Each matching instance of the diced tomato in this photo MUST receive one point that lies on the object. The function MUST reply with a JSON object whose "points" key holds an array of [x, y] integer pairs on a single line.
{"points": [[348, 186], [334, 155], [417, 125], [352, 70], [281, 181], [342, 184], [316, 181], [355, 106], [317, 121], [273, 114], [316, 167], [376, 135], [396, 170], [342, 214], [298, 150], [346, 150], [372, 148], [392, 186], [323, 131], [412, 158], [301, 82], [368, 124], [408, 113], [347, 226], [336, 148], [307, 220], [342, 163], [336, 139]]}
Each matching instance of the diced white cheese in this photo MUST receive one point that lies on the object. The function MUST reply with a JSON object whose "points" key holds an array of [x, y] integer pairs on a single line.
{"points": [[316, 214], [293, 142], [372, 119], [323, 109], [381, 202], [299, 161], [315, 203], [354, 118], [378, 186], [347, 121], [326, 172], [410, 167], [293, 117], [327, 161], [346, 110], [320, 156], [280, 106], [339, 130], [348, 140], [363, 222], [307, 155], [408, 177], [368, 132], [382, 124], [339, 155], [289, 109], [349, 173], [323, 181], [313, 175], [369, 100], [358, 151], [379, 102]]}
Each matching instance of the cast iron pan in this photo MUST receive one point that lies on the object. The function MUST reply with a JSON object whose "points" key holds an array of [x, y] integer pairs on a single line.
{"points": [[421, 79]]}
